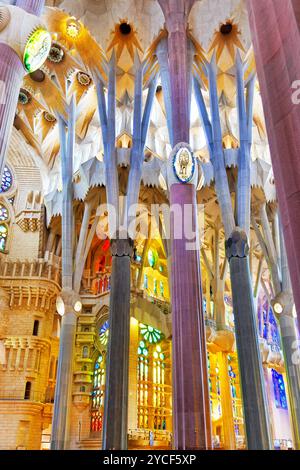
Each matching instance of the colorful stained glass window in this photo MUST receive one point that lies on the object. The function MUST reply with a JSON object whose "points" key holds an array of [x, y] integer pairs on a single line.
{"points": [[103, 333], [159, 396], [279, 390], [37, 50], [152, 258], [143, 385], [98, 394], [150, 333], [6, 180], [3, 237], [3, 213], [161, 288]]}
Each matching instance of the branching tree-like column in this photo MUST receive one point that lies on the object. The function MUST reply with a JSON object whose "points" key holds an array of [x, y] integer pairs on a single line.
{"points": [[191, 409], [11, 66], [274, 27], [68, 304], [282, 304], [115, 425], [237, 247]]}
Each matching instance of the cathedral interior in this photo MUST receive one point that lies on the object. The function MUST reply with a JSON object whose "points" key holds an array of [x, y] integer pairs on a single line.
{"points": [[121, 123]]}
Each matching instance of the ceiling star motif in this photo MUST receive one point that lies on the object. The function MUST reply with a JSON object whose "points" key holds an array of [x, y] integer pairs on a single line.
{"points": [[124, 37], [226, 39]]}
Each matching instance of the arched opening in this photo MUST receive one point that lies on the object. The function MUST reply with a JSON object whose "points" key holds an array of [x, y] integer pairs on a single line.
{"points": [[36, 326], [27, 394]]}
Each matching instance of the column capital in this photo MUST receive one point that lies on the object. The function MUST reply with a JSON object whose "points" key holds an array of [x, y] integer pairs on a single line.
{"points": [[282, 305], [237, 245], [121, 247], [176, 13], [68, 302]]}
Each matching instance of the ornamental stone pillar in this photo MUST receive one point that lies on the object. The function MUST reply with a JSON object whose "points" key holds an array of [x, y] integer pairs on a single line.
{"points": [[250, 366], [115, 423], [191, 413], [191, 408]]}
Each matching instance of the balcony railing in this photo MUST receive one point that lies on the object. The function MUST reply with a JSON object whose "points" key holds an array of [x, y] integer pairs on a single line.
{"points": [[37, 397]]}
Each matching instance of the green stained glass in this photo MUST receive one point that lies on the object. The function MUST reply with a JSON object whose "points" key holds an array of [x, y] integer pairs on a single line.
{"points": [[3, 237], [150, 334], [36, 50]]}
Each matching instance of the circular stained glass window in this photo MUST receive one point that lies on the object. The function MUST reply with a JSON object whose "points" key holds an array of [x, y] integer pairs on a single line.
{"points": [[150, 334], [6, 180], [37, 50], [3, 213], [103, 333], [3, 237]]}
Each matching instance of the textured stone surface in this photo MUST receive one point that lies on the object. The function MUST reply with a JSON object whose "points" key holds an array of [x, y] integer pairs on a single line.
{"points": [[237, 245], [251, 374], [276, 40], [11, 75], [191, 421], [116, 397], [32, 6]]}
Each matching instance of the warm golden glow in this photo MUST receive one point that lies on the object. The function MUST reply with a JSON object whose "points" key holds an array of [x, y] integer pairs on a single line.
{"points": [[228, 41], [73, 28], [126, 39]]}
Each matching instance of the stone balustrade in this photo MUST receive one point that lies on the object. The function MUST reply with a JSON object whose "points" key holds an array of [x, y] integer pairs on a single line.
{"points": [[33, 284]]}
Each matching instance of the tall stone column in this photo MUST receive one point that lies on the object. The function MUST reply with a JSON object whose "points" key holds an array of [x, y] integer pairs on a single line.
{"points": [[274, 25], [63, 391], [69, 303], [115, 425], [11, 76], [251, 373], [35, 7], [191, 417], [191, 408]]}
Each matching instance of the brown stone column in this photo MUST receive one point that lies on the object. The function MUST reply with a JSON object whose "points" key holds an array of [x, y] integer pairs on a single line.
{"points": [[191, 408], [274, 26], [192, 426]]}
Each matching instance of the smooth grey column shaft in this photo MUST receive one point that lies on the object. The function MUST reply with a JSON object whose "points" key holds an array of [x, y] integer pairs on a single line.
{"points": [[63, 392], [115, 425], [250, 366]]}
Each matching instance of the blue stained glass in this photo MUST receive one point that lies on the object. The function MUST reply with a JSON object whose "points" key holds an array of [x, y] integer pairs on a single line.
{"points": [[279, 390], [3, 213], [6, 180], [104, 327]]}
